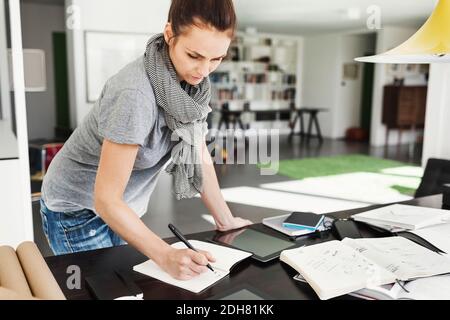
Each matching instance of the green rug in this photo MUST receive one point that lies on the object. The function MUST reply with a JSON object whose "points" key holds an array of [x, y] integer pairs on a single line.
{"points": [[404, 190], [328, 166]]}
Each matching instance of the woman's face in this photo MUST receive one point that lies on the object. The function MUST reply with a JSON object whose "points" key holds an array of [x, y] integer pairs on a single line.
{"points": [[196, 52]]}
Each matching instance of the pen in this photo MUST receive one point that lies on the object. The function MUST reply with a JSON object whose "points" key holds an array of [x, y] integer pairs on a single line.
{"points": [[401, 285], [180, 236]]}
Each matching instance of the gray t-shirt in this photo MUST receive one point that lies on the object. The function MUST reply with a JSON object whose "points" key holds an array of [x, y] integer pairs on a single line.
{"points": [[125, 113]]}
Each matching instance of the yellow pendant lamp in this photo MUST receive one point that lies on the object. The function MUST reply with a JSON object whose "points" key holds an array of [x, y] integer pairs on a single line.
{"points": [[430, 44]]}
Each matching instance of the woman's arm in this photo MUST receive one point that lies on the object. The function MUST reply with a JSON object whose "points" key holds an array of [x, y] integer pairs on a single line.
{"points": [[213, 199], [116, 164]]}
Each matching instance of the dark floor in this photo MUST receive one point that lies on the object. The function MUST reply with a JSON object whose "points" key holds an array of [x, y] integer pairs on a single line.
{"points": [[186, 214]]}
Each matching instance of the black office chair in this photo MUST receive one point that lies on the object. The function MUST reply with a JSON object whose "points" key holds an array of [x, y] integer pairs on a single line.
{"points": [[437, 173]]}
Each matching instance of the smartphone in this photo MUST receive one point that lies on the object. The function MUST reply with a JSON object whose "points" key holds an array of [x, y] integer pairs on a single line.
{"points": [[346, 229]]}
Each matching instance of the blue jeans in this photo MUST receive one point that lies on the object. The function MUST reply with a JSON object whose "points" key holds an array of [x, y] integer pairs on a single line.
{"points": [[76, 231]]}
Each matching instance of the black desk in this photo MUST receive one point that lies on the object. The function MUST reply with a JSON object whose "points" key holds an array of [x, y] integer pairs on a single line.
{"points": [[228, 117], [313, 121], [233, 117], [274, 279]]}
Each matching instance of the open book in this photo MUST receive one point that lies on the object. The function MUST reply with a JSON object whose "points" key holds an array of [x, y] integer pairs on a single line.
{"points": [[390, 291], [438, 236], [431, 288], [225, 257], [336, 268], [403, 217]]}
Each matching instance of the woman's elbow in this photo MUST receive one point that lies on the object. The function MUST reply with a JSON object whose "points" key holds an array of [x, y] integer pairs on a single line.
{"points": [[100, 203]]}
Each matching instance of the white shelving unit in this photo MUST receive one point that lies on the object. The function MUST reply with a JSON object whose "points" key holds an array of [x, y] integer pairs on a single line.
{"points": [[261, 73]]}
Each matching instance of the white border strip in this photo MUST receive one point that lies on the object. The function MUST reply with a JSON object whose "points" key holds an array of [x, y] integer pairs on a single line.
{"points": [[5, 113], [21, 118]]}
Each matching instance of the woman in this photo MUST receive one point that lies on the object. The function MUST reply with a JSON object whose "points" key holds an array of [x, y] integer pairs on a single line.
{"points": [[100, 183]]}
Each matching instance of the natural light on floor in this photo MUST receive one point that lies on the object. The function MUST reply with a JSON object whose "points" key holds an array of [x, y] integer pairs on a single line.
{"points": [[330, 193]]}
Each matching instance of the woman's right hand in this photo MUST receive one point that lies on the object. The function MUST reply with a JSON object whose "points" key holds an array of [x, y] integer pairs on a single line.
{"points": [[185, 264]]}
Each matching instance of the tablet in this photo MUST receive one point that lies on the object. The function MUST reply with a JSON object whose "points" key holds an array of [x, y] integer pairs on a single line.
{"points": [[263, 246], [243, 291]]}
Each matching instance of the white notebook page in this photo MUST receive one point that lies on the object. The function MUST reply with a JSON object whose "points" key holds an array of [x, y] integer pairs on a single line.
{"points": [[225, 259], [401, 256], [333, 269]]}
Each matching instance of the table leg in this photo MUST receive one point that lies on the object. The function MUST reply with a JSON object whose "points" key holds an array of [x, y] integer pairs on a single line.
{"points": [[292, 125], [309, 133], [241, 125], [302, 124], [387, 137], [412, 144], [316, 121], [222, 120]]}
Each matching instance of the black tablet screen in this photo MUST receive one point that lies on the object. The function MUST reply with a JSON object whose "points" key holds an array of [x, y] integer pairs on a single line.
{"points": [[253, 241], [243, 294]]}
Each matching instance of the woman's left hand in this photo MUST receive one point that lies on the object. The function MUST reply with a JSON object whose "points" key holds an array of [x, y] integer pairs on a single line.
{"points": [[234, 223]]}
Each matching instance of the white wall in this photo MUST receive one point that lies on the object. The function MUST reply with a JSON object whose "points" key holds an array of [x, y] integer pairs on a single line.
{"points": [[38, 23], [437, 130], [12, 222], [322, 85], [348, 111], [321, 78], [8, 141], [138, 16], [387, 38]]}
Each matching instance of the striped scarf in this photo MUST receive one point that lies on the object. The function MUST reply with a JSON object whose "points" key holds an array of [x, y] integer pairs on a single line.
{"points": [[185, 110]]}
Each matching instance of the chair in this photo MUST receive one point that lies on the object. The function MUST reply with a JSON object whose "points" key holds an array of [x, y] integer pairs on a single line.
{"points": [[437, 173]]}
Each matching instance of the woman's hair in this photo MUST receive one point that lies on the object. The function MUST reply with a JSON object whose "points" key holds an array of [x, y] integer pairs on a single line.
{"points": [[218, 14]]}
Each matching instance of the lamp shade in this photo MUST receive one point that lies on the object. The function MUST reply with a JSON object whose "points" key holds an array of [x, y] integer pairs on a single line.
{"points": [[430, 44]]}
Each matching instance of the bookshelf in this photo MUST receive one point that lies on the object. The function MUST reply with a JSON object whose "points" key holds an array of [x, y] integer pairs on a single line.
{"points": [[261, 73]]}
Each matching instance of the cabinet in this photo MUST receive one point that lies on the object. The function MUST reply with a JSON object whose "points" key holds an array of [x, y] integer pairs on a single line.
{"points": [[404, 108]]}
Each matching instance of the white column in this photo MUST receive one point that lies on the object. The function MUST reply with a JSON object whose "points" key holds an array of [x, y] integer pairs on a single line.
{"points": [[5, 113], [437, 123], [75, 61], [16, 216]]}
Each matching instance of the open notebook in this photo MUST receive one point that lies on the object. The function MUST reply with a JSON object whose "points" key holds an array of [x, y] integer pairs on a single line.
{"points": [[431, 288], [225, 257], [403, 217], [336, 268], [384, 292]]}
